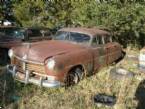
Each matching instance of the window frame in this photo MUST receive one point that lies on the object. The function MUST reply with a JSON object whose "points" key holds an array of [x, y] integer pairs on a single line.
{"points": [[98, 40], [109, 40]]}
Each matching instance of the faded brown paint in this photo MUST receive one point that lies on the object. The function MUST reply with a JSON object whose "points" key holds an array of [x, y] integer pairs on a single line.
{"points": [[68, 55]]}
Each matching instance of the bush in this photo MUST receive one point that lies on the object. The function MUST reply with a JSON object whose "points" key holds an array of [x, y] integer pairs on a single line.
{"points": [[124, 18]]}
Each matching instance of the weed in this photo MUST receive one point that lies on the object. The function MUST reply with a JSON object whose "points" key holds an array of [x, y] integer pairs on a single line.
{"points": [[80, 96]]}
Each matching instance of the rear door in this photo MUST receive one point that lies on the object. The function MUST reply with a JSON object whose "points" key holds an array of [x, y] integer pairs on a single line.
{"points": [[112, 49], [98, 52], [109, 48]]}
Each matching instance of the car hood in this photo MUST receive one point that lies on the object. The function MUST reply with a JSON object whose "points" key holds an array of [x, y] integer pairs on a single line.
{"points": [[40, 51]]}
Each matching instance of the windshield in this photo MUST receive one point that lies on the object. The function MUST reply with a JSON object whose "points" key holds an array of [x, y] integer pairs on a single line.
{"points": [[72, 36], [14, 33]]}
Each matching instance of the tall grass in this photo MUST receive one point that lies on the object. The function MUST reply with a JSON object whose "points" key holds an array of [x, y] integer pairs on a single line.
{"points": [[81, 95]]}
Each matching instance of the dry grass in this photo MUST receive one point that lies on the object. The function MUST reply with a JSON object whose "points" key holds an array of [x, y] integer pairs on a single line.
{"points": [[80, 96]]}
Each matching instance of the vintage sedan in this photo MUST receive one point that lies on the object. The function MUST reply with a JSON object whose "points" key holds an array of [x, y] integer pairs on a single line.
{"points": [[72, 54]]}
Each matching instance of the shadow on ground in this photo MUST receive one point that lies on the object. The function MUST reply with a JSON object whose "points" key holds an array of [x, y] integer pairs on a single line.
{"points": [[121, 58], [140, 95]]}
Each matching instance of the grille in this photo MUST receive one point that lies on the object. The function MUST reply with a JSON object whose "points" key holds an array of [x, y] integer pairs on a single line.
{"points": [[28, 66]]}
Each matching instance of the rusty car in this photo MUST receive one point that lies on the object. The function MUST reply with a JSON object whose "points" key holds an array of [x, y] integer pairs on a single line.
{"points": [[11, 36], [71, 55]]}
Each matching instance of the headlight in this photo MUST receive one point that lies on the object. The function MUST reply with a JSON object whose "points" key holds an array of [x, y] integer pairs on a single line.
{"points": [[10, 53], [50, 64]]}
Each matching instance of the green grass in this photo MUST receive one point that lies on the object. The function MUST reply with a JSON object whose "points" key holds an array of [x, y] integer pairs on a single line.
{"points": [[81, 95]]}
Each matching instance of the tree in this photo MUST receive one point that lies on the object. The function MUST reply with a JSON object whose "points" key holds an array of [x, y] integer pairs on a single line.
{"points": [[125, 18], [29, 13]]}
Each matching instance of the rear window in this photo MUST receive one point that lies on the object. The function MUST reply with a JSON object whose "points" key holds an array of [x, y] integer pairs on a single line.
{"points": [[107, 39]]}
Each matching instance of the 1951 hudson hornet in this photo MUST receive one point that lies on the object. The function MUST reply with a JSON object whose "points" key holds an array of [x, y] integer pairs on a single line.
{"points": [[72, 54]]}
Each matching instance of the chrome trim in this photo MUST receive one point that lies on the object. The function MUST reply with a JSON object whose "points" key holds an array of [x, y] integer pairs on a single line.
{"points": [[24, 66], [27, 77], [41, 82]]}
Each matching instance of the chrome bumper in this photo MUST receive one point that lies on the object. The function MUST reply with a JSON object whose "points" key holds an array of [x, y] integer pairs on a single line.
{"points": [[27, 79]]}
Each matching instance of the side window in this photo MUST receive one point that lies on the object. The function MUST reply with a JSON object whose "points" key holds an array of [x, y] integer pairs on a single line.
{"points": [[95, 41], [98, 40], [107, 39]]}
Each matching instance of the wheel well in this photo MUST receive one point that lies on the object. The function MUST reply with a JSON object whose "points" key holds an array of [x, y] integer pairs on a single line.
{"points": [[77, 66]]}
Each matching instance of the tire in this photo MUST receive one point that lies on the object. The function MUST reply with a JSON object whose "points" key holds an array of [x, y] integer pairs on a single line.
{"points": [[74, 76]]}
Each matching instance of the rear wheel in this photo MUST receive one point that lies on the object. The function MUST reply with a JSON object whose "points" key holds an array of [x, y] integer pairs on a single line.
{"points": [[74, 76]]}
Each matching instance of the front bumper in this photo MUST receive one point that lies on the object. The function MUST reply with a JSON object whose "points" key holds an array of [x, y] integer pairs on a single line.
{"points": [[26, 78]]}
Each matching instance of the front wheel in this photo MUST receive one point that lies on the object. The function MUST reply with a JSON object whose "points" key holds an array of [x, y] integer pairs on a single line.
{"points": [[74, 76]]}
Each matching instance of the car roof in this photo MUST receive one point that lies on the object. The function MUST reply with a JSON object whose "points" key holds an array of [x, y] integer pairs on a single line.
{"points": [[88, 31]]}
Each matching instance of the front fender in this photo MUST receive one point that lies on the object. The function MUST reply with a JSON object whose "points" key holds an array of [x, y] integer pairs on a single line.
{"points": [[81, 57]]}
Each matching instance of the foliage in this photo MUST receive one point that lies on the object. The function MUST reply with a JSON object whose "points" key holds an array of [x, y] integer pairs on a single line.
{"points": [[125, 18], [28, 12], [6, 11]]}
